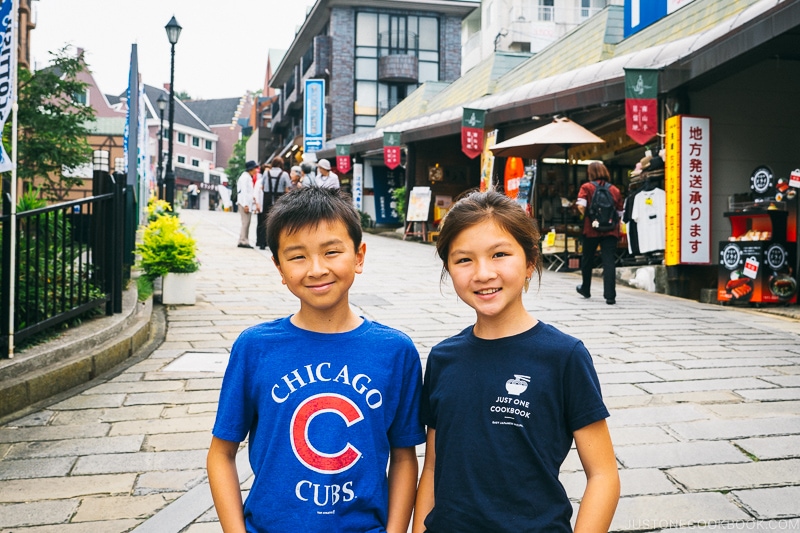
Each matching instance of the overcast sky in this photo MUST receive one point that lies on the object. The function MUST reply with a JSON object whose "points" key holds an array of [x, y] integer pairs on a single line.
{"points": [[222, 50]]}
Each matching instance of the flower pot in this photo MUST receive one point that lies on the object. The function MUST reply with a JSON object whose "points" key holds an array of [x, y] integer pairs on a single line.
{"points": [[178, 289]]}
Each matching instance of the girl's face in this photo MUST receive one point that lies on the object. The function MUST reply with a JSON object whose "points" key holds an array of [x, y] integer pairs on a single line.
{"points": [[488, 268]]}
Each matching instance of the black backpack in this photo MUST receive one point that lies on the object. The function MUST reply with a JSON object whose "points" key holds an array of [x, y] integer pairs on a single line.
{"points": [[602, 212]]}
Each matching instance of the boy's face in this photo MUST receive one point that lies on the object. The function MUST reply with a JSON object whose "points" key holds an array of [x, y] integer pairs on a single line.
{"points": [[319, 264]]}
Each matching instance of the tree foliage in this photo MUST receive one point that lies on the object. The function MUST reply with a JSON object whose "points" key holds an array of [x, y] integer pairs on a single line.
{"points": [[53, 127], [236, 165]]}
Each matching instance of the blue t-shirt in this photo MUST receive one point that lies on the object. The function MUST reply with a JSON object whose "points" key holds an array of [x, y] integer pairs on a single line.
{"points": [[322, 412], [504, 411]]}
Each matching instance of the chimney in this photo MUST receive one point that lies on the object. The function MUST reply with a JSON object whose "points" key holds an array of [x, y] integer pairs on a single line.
{"points": [[166, 87]]}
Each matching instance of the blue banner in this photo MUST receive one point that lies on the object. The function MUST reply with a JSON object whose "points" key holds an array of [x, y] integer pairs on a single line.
{"points": [[314, 116], [8, 62], [384, 182]]}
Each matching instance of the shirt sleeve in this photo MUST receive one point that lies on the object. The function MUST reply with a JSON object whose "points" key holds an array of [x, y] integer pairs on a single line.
{"points": [[583, 397], [235, 411]]}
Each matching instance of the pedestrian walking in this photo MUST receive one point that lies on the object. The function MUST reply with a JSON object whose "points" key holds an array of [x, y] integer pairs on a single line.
{"points": [[326, 177], [273, 184], [194, 196], [504, 399], [295, 177], [245, 199], [604, 234], [291, 383], [309, 177]]}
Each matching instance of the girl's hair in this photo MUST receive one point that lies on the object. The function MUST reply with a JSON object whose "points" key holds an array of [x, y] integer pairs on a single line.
{"points": [[598, 171], [309, 206], [277, 162], [477, 207]]}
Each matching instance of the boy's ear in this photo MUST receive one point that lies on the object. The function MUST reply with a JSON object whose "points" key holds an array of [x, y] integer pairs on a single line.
{"points": [[278, 266], [360, 253]]}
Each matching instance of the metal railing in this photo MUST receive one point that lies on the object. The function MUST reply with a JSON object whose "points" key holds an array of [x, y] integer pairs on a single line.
{"points": [[68, 259]]}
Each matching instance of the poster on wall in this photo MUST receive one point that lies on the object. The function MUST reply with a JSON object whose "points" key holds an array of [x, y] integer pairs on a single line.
{"points": [[688, 188], [314, 116], [358, 186]]}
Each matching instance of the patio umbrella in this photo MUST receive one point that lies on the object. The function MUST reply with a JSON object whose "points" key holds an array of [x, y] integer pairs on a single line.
{"points": [[547, 140]]}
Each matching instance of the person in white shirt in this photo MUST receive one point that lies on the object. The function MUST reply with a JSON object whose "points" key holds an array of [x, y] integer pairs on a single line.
{"points": [[246, 200], [326, 178]]}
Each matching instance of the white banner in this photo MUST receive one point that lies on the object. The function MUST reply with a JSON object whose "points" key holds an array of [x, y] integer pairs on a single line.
{"points": [[8, 55], [695, 186]]}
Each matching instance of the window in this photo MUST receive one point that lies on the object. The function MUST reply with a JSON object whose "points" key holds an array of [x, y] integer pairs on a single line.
{"points": [[586, 10], [195, 162], [546, 10], [209, 146], [196, 141], [182, 159], [181, 138], [81, 98]]}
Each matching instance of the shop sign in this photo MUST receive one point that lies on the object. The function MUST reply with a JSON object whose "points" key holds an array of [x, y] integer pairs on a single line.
{"points": [[687, 181], [7, 48], [487, 160], [391, 149], [472, 122], [641, 104], [314, 116], [343, 162]]}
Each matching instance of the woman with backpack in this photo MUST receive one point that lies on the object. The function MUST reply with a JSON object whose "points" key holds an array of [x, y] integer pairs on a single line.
{"points": [[600, 203]]}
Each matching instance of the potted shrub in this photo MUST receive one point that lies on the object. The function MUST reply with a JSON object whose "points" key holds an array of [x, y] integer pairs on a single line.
{"points": [[168, 251]]}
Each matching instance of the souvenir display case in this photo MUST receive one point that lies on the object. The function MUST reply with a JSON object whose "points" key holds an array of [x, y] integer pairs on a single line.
{"points": [[758, 259]]}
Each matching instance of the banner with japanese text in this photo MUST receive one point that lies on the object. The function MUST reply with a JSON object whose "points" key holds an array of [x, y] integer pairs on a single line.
{"points": [[8, 51], [641, 104], [472, 122], [688, 186], [343, 162], [391, 149], [487, 160]]}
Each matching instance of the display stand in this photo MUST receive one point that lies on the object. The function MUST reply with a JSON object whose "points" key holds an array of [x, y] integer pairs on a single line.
{"points": [[419, 203]]}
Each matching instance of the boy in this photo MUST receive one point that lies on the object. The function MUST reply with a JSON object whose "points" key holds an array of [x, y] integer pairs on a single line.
{"points": [[326, 396]]}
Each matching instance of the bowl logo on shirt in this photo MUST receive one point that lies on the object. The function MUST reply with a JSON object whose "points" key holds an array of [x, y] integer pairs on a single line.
{"points": [[304, 450], [517, 385]]}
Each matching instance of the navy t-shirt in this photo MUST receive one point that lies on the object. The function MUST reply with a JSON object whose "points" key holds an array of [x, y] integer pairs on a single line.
{"points": [[322, 411], [504, 411]]}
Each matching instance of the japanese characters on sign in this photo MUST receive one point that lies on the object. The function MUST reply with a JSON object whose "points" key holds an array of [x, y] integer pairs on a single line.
{"points": [[343, 163], [688, 189], [391, 149], [472, 122], [314, 116], [641, 104]]}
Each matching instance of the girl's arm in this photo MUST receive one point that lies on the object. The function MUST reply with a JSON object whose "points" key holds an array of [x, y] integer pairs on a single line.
{"points": [[425, 500], [224, 481], [602, 479], [402, 482]]}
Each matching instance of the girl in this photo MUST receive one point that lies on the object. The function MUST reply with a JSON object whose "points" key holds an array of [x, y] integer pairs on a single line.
{"points": [[504, 398]]}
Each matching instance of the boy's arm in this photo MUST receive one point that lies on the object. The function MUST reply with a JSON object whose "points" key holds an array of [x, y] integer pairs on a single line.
{"points": [[425, 500], [224, 482], [602, 478], [402, 484]]}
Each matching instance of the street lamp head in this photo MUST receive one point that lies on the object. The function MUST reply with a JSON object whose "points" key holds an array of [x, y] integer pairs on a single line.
{"points": [[162, 102], [173, 30]]}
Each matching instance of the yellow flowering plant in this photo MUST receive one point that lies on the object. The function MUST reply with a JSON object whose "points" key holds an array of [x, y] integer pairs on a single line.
{"points": [[167, 246], [157, 208]]}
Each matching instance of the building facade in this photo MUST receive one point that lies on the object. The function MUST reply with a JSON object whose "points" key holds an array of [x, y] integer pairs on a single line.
{"points": [[371, 57]]}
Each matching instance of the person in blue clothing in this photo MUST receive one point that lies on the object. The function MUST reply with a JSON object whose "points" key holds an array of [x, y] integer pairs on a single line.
{"points": [[325, 397], [505, 398]]}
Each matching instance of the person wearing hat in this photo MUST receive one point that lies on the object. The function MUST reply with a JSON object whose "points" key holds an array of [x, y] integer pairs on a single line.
{"points": [[245, 198], [326, 178]]}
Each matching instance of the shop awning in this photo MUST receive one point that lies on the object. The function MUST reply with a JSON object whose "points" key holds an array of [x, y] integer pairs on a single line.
{"points": [[766, 29]]}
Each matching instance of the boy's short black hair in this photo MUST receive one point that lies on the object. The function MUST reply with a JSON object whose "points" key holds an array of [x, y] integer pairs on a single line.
{"points": [[308, 206]]}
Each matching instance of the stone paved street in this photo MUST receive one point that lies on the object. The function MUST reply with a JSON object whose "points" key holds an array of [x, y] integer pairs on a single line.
{"points": [[704, 400]]}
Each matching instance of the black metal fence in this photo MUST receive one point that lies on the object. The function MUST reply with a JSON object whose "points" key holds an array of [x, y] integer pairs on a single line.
{"points": [[68, 259]]}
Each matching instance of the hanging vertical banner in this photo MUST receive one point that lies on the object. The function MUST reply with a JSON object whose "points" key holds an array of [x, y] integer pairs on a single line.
{"points": [[391, 149], [641, 104], [487, 161], [472, 122], [515, 169], [687, 181], [343, 162], [8, 50]]}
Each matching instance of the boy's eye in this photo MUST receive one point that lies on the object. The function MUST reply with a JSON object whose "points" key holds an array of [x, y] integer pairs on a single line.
{"points": [[333, 252], [501, 254], [296, 257]]}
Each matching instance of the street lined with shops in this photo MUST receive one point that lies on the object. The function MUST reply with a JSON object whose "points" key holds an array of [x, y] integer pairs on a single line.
{"points": [[704, 399]]}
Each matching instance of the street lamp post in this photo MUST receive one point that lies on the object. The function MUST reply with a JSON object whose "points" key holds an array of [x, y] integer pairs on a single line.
{"points": [[173, 32], [162, 104]]}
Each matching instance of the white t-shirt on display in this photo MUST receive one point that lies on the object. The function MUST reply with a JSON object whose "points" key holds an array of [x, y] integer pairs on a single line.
{"points": [[649, 212]]}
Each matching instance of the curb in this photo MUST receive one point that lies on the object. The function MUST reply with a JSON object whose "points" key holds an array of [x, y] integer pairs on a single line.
{"points": [[78, 356]]}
